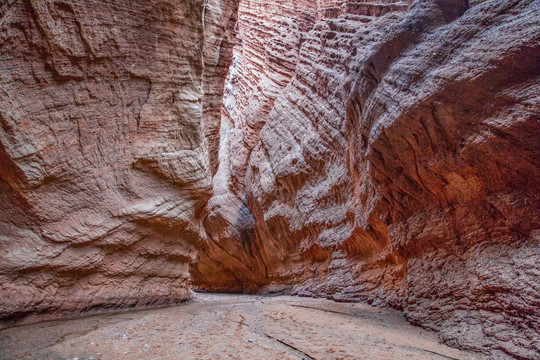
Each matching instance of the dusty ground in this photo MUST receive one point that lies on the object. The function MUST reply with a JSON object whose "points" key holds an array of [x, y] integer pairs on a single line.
{"points": [[231, 327]]}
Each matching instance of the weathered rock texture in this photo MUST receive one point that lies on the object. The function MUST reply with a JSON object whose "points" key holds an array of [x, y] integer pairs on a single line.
{"points": [[390, 153], [108, 130], [376, 150]]}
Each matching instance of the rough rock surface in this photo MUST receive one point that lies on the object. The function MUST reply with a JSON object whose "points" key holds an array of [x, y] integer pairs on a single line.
{"points": [[376, 151], [107, 139]]}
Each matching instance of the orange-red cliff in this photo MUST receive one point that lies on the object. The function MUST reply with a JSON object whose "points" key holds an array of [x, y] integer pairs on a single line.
{"points": [[386, 152]]}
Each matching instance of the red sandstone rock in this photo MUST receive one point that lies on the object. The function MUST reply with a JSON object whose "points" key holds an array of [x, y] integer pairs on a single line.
{"points": [[383, 150], [394, 160], [108, 125]]}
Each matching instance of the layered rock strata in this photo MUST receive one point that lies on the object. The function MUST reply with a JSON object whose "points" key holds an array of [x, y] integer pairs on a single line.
{"points": [[108, 130], [388, 153], [380, 150]]}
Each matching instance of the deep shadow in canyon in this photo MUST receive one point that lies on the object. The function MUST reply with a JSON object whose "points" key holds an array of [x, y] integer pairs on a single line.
{"points": [[383, 151]]}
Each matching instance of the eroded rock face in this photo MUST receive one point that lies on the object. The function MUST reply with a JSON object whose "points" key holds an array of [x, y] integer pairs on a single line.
{"points": [[108, 131], [389, 153], [384, 151]]}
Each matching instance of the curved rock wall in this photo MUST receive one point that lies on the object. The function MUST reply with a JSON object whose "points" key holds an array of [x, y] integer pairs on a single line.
{"points": [[376, 151], [108, 121]]}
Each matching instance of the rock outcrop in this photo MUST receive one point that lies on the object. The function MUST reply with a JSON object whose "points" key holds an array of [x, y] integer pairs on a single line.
{"points": [[383, 150], [389, 153], [108, 136]]}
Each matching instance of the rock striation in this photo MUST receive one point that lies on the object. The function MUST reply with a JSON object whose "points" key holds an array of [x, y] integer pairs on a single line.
{"points": [[383, 150], [387, 152], [107, 137]]}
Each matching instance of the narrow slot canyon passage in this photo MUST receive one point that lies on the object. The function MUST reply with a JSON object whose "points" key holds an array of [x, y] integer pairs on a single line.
{"points": [[362, 175]]}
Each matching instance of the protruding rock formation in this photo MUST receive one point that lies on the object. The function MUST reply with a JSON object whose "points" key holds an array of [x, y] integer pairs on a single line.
{"points": [[376, 151], [108, 125], [381, 150]]}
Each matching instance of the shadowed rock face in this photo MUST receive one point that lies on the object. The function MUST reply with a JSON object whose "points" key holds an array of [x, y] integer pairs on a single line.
{"points": [[108, 130], [385, 151]]}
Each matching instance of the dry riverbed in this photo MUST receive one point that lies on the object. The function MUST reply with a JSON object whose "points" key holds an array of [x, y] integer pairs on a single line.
{"points": [[232, 327]]}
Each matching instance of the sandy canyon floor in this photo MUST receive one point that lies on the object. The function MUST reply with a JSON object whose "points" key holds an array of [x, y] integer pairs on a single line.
{"points": [[231, 327]]}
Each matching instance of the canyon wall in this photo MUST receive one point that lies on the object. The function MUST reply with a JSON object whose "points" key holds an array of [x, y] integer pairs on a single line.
{"points": [[384, 151], [107, 141]]}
